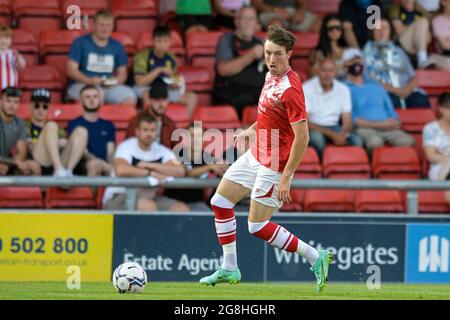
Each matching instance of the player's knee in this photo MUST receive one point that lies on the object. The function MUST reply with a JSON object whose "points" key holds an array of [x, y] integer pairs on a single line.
{"points": [[254, 227], [220, 201]]}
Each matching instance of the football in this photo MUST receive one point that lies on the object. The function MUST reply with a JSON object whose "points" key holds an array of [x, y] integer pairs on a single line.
{"points": [[129, 277]]}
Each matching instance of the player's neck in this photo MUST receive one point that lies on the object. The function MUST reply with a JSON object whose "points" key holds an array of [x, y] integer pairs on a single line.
{"points": [[285, 69], [38, 123]]}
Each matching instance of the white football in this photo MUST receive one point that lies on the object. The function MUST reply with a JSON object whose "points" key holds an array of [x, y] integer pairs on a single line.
{"points": [[129, 277]]}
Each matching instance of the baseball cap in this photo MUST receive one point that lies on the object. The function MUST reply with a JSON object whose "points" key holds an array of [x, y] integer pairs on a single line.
{"points": [[159, 91], [41, 95], [351, 53], [12, 92]]}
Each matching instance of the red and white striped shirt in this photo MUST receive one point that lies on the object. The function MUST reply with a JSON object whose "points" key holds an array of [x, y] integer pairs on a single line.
{"points": [[8, 69]]}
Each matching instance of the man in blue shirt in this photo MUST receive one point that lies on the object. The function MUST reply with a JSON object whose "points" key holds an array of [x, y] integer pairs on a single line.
{"points": [[101, 134], [373, 113], [97, 59]]}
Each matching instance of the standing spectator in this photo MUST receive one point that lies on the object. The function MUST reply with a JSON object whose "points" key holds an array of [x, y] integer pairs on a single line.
{"points": [[389, 65], [436, 142], [331, 45], [239, 63], [158, 65], [142, 156], [47, 142], [97, 59], [412, 30], [354, 17], [194, 15], [441, 31], [373, 113], [157, 107], [11, 61], [226, 11], [328, 102], [13, 134], [101, 134]]}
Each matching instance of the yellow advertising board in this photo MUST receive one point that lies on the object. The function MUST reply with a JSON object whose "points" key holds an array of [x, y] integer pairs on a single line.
{"points": [[48, 247]]}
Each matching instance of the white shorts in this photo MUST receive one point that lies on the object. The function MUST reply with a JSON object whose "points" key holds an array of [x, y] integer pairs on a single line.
{"points": [[251, 174]]}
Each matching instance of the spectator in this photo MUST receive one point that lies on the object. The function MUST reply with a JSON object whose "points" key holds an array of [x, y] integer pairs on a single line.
{"points": [[354, 17], [11, 61], [240, 64], [412, 30], [194, 15], [142, 156], [226, 11], [157, 107], [441, 30], [158, 65], [291, 14], [328, 102], [373, 113], [389, 65], [331, 45], [101, 134], [47, 142], [97, 59], [13, 134], [436, 142]]}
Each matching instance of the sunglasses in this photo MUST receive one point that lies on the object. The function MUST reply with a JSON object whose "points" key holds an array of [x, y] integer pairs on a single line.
{"points": [[332, 28], [43, 106]]}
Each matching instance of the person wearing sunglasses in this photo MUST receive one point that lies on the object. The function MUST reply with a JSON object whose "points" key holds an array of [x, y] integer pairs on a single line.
{"points": [[47, 142]]}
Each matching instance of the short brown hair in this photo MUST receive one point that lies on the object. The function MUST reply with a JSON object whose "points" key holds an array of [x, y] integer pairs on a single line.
{"points": [[281, 37], [5, 31], [103, 13], [145, 117]]}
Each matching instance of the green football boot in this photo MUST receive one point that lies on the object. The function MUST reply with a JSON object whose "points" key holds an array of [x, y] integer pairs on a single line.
{"points": [[222, 276], [320, 268]]}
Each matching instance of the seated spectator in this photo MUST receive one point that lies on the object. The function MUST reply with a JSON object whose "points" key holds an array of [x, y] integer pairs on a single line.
{"points": [[389, 65], [412, 30], [13, 135], [142, 156], [290, 14], [97, 59], [11, 60], [436, 143], [331, 45], [194, 16], [441, 31], [47, 142], [328, 103], [101, 135], [157, 107], [158, 65], [373, 113], [240, 64], [226, 11], [354, 17]]}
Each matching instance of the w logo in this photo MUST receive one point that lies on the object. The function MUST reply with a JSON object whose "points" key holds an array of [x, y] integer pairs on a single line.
{"points": [[433, 254]]}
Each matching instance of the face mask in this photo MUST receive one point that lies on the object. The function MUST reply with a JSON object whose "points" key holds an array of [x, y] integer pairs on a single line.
{"points": [[363, 4], [356, 69]]}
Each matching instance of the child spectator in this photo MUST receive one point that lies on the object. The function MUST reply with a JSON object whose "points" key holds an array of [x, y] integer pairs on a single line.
{"points": [[11, 61]]}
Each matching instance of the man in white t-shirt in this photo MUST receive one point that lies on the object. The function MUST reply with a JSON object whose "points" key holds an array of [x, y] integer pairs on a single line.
{"points": [[141, 156], [329, 107]]}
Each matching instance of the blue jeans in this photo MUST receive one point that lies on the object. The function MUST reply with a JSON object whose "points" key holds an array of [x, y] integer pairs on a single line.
{"points": [[319, 141]]}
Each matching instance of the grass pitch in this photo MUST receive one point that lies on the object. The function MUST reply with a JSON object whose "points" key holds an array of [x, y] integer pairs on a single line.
{"points": [[247, 291]]}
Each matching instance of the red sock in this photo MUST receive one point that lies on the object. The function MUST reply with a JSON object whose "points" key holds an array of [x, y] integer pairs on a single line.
{"points": [[225, 224], [278, 236]]}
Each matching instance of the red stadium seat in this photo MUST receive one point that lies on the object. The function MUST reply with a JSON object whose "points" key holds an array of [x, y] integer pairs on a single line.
{"points": [[217, 117], [306, 42], [434, 82], [63, 113], [199, 81], [21, 197], [120, 136], [88, 8], [381, 201], [345, 163], [396, 163], [328, 200], [176, 45], [135, 16], [78, 197], [126, 41], [24, 111], [41, 76], [302, 68], [413, 120], [310, 167], [201, 49], [5, 12], [324, 7], [433, 202], [178, 113], [25, 42], [249, 115], [120, 115], [37, 16]]}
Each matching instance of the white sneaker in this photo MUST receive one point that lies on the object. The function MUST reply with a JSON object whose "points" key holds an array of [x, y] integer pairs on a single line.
{"points": [[60, 173], [69, 173]]}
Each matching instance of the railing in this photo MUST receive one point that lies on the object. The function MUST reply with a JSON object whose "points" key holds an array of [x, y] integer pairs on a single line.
{"points": [[411, 186]]}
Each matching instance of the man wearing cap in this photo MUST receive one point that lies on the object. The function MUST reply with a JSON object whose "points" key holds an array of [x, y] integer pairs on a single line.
{"points": [[373, 113], [13, 135], [158, 102], [47, 142]]}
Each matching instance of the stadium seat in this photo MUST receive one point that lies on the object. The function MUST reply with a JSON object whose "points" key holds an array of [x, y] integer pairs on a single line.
{"points": [[328, 200], [120, 136], [249, 115], [37, 16], [78, 197], [41, 76], [201, 49], [347, 162], [432, 202], [323, 7], [302, 68], [25, 42], [310, 167], [413, 120], [88, 8], [120, 115], [126, 41], [24, 111], [380, 201], [199, 81], [135, 16], [176, 45], [434, 82], [217, 117], [396, 163], [5, 12], [178, 113], [63, 113], [306, 42], [21, 197]]}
